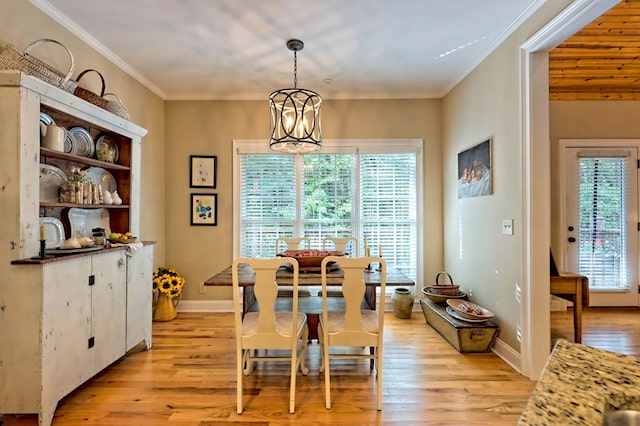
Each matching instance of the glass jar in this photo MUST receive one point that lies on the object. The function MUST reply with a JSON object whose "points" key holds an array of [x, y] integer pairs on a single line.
{"points": [[99, 236]]}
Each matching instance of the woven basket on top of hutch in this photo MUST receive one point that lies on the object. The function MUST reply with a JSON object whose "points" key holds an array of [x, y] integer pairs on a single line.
{"points": [[63, 319]]}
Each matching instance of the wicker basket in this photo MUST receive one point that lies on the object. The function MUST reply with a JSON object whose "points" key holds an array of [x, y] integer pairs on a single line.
{"points": [[88, 95], [117, 107], [448, 289], [14, 59]]}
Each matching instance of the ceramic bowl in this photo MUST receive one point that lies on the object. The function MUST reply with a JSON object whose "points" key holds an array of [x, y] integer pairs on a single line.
{"points": [[310, 258]]}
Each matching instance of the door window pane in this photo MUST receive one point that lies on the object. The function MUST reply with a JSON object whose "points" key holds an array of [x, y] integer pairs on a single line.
{"points": [[602, 220]]}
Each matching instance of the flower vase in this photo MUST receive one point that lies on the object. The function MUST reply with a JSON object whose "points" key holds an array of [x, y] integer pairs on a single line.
{"points": [[165, 308]]}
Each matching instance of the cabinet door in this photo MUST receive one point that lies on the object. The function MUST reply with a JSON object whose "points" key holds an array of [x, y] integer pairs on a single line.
{"points": [[66, 326], [139, 297], [108, 295]]}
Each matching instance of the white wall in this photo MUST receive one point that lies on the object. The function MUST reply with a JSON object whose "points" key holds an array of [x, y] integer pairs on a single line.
{"points": [[209, 128], [488, 103]]}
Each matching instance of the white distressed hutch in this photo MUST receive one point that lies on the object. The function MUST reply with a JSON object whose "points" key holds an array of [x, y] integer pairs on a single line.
{"points": [[64, 319]]}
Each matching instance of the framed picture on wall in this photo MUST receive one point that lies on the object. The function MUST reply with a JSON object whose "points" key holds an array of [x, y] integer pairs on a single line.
{"points": [[475, 171], [203, 171], [204, 209]]}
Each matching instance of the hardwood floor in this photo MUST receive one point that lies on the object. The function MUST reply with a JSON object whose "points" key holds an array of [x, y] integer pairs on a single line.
{"points": [[188, 379], [615, 330]]}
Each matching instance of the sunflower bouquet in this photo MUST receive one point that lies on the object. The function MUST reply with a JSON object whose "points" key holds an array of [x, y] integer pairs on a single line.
{"points": [[166, 280]]}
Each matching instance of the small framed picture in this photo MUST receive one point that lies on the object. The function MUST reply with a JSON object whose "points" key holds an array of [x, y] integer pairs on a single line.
{"points": [[204, 209], [203, 171]]}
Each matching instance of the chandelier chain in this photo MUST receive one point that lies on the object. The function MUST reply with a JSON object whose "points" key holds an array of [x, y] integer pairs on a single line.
{"points": [[295, 69]]}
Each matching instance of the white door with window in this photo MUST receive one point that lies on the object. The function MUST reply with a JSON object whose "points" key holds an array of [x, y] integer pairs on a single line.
{"points": [[601, 226]]}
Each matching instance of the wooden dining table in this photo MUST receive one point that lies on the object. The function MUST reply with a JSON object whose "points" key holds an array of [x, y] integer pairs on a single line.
{"points": [[311, 305]]}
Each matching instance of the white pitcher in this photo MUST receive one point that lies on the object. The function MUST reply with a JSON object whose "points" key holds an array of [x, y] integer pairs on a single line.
{"points": [[53, 137]]}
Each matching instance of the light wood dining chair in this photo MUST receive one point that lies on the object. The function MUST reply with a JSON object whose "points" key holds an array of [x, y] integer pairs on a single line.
{"points": [[353, 327], [297, 243], [266, 329], [345, 244]]}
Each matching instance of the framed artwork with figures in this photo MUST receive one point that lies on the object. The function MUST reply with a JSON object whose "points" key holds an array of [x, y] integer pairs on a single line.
{"points": [[475, 171], [204, 209], [203, 171]]}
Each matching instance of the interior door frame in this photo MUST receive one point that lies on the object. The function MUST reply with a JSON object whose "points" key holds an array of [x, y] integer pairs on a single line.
{"points": [[536, 146]]}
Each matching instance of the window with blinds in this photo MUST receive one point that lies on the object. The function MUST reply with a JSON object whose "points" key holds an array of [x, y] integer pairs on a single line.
{"points": [[268, 202], [603, 221], [363, 190], [388, 207]]}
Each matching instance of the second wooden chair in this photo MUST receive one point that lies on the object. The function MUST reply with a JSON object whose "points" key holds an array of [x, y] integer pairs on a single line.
{"points": [[352, 327]]}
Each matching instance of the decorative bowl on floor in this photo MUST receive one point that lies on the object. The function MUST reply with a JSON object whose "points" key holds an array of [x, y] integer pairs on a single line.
{"points": [[470, 310], [441, 299]]}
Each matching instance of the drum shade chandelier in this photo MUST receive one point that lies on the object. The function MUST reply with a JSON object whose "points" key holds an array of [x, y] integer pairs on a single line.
{"points": [[295, 114]]}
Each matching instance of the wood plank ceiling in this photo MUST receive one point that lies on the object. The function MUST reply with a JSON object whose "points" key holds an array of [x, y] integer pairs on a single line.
{"points": [[601, 61]]}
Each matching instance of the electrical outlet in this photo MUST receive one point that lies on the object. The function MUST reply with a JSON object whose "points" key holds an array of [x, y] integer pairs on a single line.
{"points": [[507, 226], [202, 289]]}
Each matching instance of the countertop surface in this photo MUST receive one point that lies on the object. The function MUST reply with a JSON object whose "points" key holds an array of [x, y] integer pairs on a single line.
{"points": [[579, 384], [75, 254]]}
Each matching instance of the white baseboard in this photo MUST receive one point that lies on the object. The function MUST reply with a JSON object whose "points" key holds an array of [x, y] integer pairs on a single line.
{"points": [[507, 354]]}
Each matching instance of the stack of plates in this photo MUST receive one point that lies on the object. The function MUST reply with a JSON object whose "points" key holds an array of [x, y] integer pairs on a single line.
{"points": [[68, 142], [82, 142]]}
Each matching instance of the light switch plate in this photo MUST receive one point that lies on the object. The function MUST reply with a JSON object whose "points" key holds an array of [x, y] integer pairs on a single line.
{"points": [[507, 226]]}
